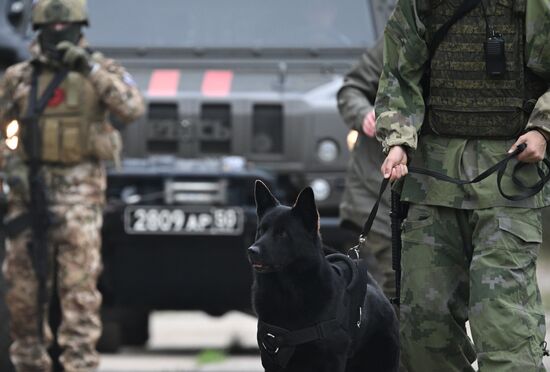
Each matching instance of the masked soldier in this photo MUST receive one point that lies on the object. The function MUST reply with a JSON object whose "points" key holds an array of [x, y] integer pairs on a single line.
{"points": [[65, 94], [455, 99], [356, 105]]}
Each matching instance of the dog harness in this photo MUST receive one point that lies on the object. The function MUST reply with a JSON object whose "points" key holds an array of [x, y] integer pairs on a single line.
{"points": [[277, 344]]}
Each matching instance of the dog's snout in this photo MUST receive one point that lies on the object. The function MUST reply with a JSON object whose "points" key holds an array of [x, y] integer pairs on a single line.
{"points": [[254, 251]]}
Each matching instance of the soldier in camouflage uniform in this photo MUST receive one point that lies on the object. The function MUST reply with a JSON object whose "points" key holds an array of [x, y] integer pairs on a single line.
{"points": [[468, 252], [76, 138], [356, 105]]}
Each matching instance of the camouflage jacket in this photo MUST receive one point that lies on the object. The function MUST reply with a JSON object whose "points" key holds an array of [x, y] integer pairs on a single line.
{"points": [[400, 113], [355, 100], [85, 182]]}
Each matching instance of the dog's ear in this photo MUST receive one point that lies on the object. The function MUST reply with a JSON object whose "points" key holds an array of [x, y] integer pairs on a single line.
{"points": [[264, 198], [306, 209]]}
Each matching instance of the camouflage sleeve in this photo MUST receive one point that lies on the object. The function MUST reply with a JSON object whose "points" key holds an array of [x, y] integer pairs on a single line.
{"points": [[9, 93], [538, 57], [399, 102], [117, 89], [357, 95]]}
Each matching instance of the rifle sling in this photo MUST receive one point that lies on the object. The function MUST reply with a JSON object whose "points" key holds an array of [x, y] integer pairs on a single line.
{"points": [[37, 106]]}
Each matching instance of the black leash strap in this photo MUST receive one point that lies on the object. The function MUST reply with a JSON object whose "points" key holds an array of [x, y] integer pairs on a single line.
{"points": [[499, 167]]}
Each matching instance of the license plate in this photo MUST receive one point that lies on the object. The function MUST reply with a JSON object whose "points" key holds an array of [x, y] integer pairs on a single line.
{"points": [[183, 220]]}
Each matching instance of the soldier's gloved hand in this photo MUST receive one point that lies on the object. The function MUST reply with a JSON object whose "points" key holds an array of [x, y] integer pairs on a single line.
{"points": [[75, 57]]}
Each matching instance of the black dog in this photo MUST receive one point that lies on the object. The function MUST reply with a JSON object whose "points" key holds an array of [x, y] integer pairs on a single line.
{"points": [[313, 312]]}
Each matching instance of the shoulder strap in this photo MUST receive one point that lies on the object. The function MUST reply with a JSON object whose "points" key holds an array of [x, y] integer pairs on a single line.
{"points": [[464, 8]]}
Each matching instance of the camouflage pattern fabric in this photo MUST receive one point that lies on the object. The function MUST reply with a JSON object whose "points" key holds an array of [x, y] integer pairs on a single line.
{"points": [[74, 243], [497, 291], [400, 110], [76, 197], [50, 11], [464, 101]]}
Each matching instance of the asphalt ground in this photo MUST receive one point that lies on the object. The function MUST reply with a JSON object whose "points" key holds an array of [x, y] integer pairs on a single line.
{"points": [[192, 341]]}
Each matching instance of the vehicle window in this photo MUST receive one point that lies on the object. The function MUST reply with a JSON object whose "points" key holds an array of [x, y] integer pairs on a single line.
{"points": [[231, 23]]}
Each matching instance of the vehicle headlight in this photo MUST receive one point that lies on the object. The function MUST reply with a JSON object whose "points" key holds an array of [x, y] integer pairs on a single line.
{"points": [[12, 135], [321, 189], [327, 151]]}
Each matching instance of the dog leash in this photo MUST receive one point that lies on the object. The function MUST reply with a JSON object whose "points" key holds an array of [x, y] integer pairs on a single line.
{"points": [[499, 168]]}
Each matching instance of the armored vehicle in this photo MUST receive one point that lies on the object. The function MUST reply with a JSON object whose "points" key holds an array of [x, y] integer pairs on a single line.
{"points": [[235, 91]]}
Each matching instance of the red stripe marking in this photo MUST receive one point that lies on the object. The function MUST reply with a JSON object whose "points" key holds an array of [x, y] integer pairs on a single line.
{"points": [[217, 83], [164, 83]]}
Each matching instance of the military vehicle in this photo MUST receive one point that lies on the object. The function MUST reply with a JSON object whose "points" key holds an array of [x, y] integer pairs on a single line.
{"points": [[235, 91]]}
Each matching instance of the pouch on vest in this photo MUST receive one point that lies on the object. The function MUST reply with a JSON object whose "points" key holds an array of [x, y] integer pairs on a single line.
{"points": [[105, 142]]}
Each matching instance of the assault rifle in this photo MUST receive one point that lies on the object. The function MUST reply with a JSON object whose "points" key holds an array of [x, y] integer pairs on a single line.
{"points": [[398, 213], [38, 216]]}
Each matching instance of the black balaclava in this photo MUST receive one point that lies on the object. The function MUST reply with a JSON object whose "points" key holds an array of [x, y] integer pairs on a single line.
{"points": [[49, 38]]}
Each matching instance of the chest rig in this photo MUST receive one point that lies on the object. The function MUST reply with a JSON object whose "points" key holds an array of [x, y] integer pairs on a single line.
{"points": [[73, 123], [463, 100]]}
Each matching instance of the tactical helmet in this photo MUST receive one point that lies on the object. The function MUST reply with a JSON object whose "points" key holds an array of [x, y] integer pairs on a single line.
{"points": [[52, 11]]}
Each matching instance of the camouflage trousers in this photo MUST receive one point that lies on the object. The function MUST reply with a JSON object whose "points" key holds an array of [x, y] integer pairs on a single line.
{"points": [[476, 265], [74, 244]]}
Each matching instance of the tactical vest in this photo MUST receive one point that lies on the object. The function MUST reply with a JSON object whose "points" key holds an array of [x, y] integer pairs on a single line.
{"points": [[74, 125], [463, 100]]}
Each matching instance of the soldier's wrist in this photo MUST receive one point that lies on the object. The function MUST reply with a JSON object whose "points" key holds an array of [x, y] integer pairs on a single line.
{"points": [[542, 132]]}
